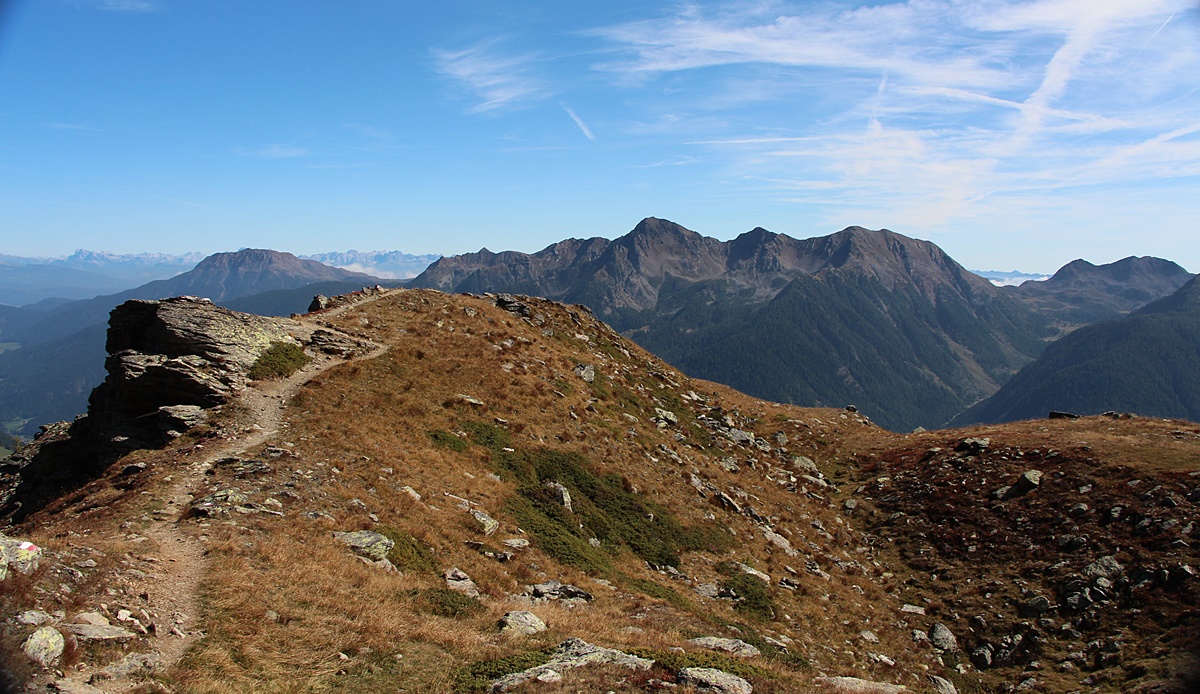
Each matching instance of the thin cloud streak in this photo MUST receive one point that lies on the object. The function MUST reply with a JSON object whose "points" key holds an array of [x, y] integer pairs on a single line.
{"points": [[587, 132]]}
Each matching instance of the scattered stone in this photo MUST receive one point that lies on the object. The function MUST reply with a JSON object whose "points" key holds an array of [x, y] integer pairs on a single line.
{"points": [[412, 493], [853, 685], [708, 590], [181, 417], [571, 653], [706, 679], [1062, 415], [942, 638], [220, 503], [732, 646], [585, 371], [368, 544], [868, 636], [516, 543], [44, 646], [94, 618], [473, 401], [912, 609], [458, 581], [130, 665], [65, 686], [942, 685], [973, 446], [521, 622]]}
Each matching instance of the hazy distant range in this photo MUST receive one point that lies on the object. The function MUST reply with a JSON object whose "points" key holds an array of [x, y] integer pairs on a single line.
{"points": [[85, 274]]}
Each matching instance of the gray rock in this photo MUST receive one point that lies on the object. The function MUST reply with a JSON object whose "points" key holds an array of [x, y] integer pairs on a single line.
{"points": [[706, 679], [96, 632], [181, 417], [557, 590], [754, 572], [1028, 481], [585, 371], [487, 524], [732, 646], [44, 646], [458, 581], [23, 556], [65, 686], [973, 445], [218, 504], [708, 590], [942, 685], [1104, 567], [853, 685], [133, 664], [571, 653], [34, 617], [367, 544], [805, 464], [521, 622], [941, 638], [562, 495]]}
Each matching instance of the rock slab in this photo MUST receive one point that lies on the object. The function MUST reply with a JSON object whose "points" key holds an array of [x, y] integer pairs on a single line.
{"points": [[706, 679]]}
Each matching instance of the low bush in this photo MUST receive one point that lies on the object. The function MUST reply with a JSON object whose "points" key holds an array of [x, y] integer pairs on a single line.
{"points": [[477, 677], [279, 360], [444, 602], [408, 554], [445, 439]]}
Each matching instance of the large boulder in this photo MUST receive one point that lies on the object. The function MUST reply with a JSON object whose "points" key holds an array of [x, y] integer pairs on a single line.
{"points": [[367, 544], [44, 646], [706, 679]]}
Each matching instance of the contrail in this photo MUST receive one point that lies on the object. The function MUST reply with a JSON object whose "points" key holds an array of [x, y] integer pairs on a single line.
{"points": [[1144, 45], [587, 132]]}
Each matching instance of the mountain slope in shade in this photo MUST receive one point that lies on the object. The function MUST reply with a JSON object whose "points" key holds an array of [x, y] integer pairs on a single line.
{"points": [[1147, 363], [1081, 293], [890, 323]]}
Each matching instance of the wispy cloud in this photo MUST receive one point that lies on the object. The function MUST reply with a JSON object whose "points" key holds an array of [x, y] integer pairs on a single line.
{"points": [[583, 127], [969, 106], [494, 79], [70, 126], [273, 151]]}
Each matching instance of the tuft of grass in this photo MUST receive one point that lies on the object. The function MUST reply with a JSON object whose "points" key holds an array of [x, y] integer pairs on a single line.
{"points": [[445, 439], [444, 602], [478, 676], [279, 360], [408, 554]]}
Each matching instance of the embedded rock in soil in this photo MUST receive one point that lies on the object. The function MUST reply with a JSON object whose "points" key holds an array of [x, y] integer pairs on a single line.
{"points": [[706, 679], [367, 544], [853, 685], [941, 638], [521, 622], [458, 581], [572, 653], [733, 646], [44, 646]]}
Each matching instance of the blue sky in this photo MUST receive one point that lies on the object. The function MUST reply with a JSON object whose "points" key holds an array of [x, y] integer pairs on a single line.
{"points": [[1014, 134]]}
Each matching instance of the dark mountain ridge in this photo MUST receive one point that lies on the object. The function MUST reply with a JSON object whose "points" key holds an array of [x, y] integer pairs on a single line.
{"points": [[1081, 293], [1146, 363], [873, 317]]}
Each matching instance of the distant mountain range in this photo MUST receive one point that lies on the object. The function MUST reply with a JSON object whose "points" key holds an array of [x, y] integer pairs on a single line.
{"points": [[871, 318], [888, 323], [83, 274], [55, 354], [1005, 278], [1146, 363], [389, 264]]}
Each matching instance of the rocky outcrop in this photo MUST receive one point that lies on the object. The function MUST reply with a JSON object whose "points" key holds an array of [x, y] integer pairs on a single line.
{"points": [[176, 352], [571, 653]]}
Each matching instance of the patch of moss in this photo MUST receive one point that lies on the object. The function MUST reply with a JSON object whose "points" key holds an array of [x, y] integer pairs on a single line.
{"points": [[655, 590], [675, 662], [408, 554], [489, 436], [445, 439], [478, 676], [444, 602], [279, 360], [604, 507], [754, 596]]}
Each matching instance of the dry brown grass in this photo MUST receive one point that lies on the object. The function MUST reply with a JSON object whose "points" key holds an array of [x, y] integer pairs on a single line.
{"points": [[360, 433]]}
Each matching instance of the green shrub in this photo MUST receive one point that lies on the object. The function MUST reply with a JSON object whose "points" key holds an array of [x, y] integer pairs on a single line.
{"points": [[477, 677], [408, 554], [489, 436], [754, 596], [445, 439], [279, 360], [444, 602]]}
